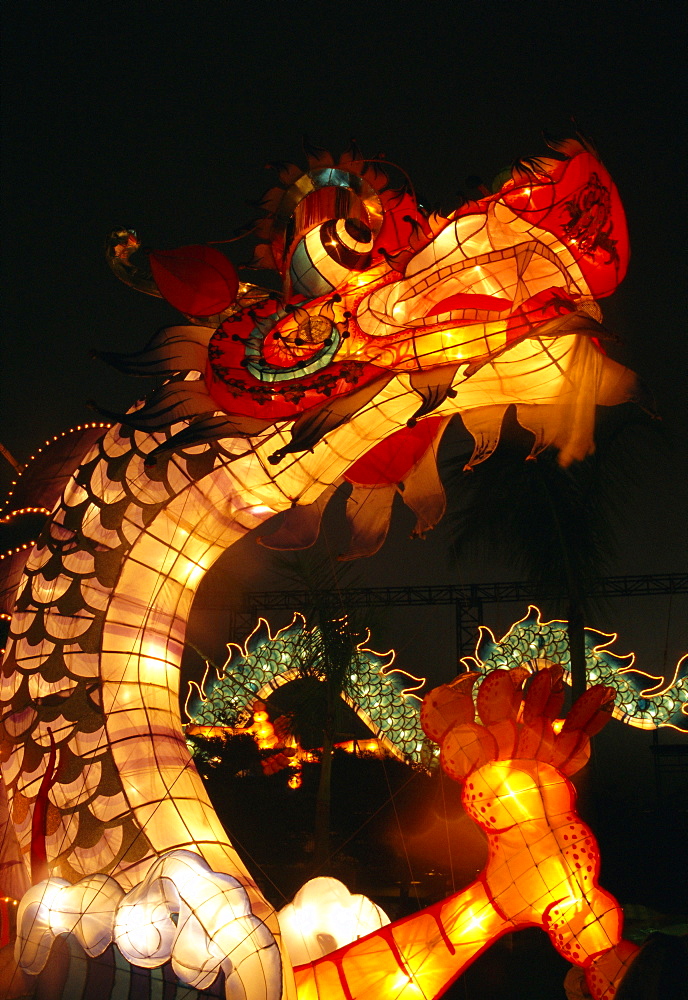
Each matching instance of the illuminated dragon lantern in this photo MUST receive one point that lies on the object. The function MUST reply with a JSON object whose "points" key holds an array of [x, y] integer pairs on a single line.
{"points": [[390, 321]]}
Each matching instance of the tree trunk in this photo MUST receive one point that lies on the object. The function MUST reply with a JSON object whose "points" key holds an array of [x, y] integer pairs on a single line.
{"points": [[322, 805], [324, 797], [577, 649]]}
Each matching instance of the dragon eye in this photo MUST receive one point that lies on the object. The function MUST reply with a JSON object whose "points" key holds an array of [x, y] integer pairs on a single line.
{"points": [[327, 255]]}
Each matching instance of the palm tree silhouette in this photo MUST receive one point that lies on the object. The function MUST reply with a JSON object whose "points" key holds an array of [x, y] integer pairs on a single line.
{"points": [[555, 525], [326, 660]]}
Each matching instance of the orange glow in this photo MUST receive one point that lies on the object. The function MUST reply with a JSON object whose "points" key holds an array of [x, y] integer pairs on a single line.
{"points": [[262, 728]]}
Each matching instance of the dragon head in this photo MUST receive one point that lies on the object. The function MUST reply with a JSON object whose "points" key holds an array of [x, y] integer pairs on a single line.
{"points": [[382, 301]]}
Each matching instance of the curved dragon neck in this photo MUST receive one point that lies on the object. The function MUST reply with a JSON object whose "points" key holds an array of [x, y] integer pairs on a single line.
{"points": [[97, 635], [142, 644], [111, 583]]}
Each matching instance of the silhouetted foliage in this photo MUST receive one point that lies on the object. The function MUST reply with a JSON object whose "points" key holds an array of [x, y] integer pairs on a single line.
{"points": [[554, 525]]}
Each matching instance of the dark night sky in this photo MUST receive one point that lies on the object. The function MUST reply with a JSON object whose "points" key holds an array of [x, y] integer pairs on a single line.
{"points": [[161, 117]]}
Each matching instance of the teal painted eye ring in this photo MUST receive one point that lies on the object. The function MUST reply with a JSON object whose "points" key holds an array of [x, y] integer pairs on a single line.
{"points": [[265, 372]]}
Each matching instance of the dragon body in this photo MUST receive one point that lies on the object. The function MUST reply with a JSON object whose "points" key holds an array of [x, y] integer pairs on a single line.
{"points": [[391, 321], [379, 694], [643, 700]]}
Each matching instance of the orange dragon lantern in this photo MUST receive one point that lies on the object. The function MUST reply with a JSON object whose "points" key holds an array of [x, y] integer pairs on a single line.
{"points": [[389, 321]]}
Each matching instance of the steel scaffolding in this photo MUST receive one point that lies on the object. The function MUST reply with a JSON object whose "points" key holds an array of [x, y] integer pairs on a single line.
{"points": [[468, 599]]}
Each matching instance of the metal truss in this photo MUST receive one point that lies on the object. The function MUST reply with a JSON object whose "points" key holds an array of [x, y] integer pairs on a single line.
{"points": [[468, 599]]}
